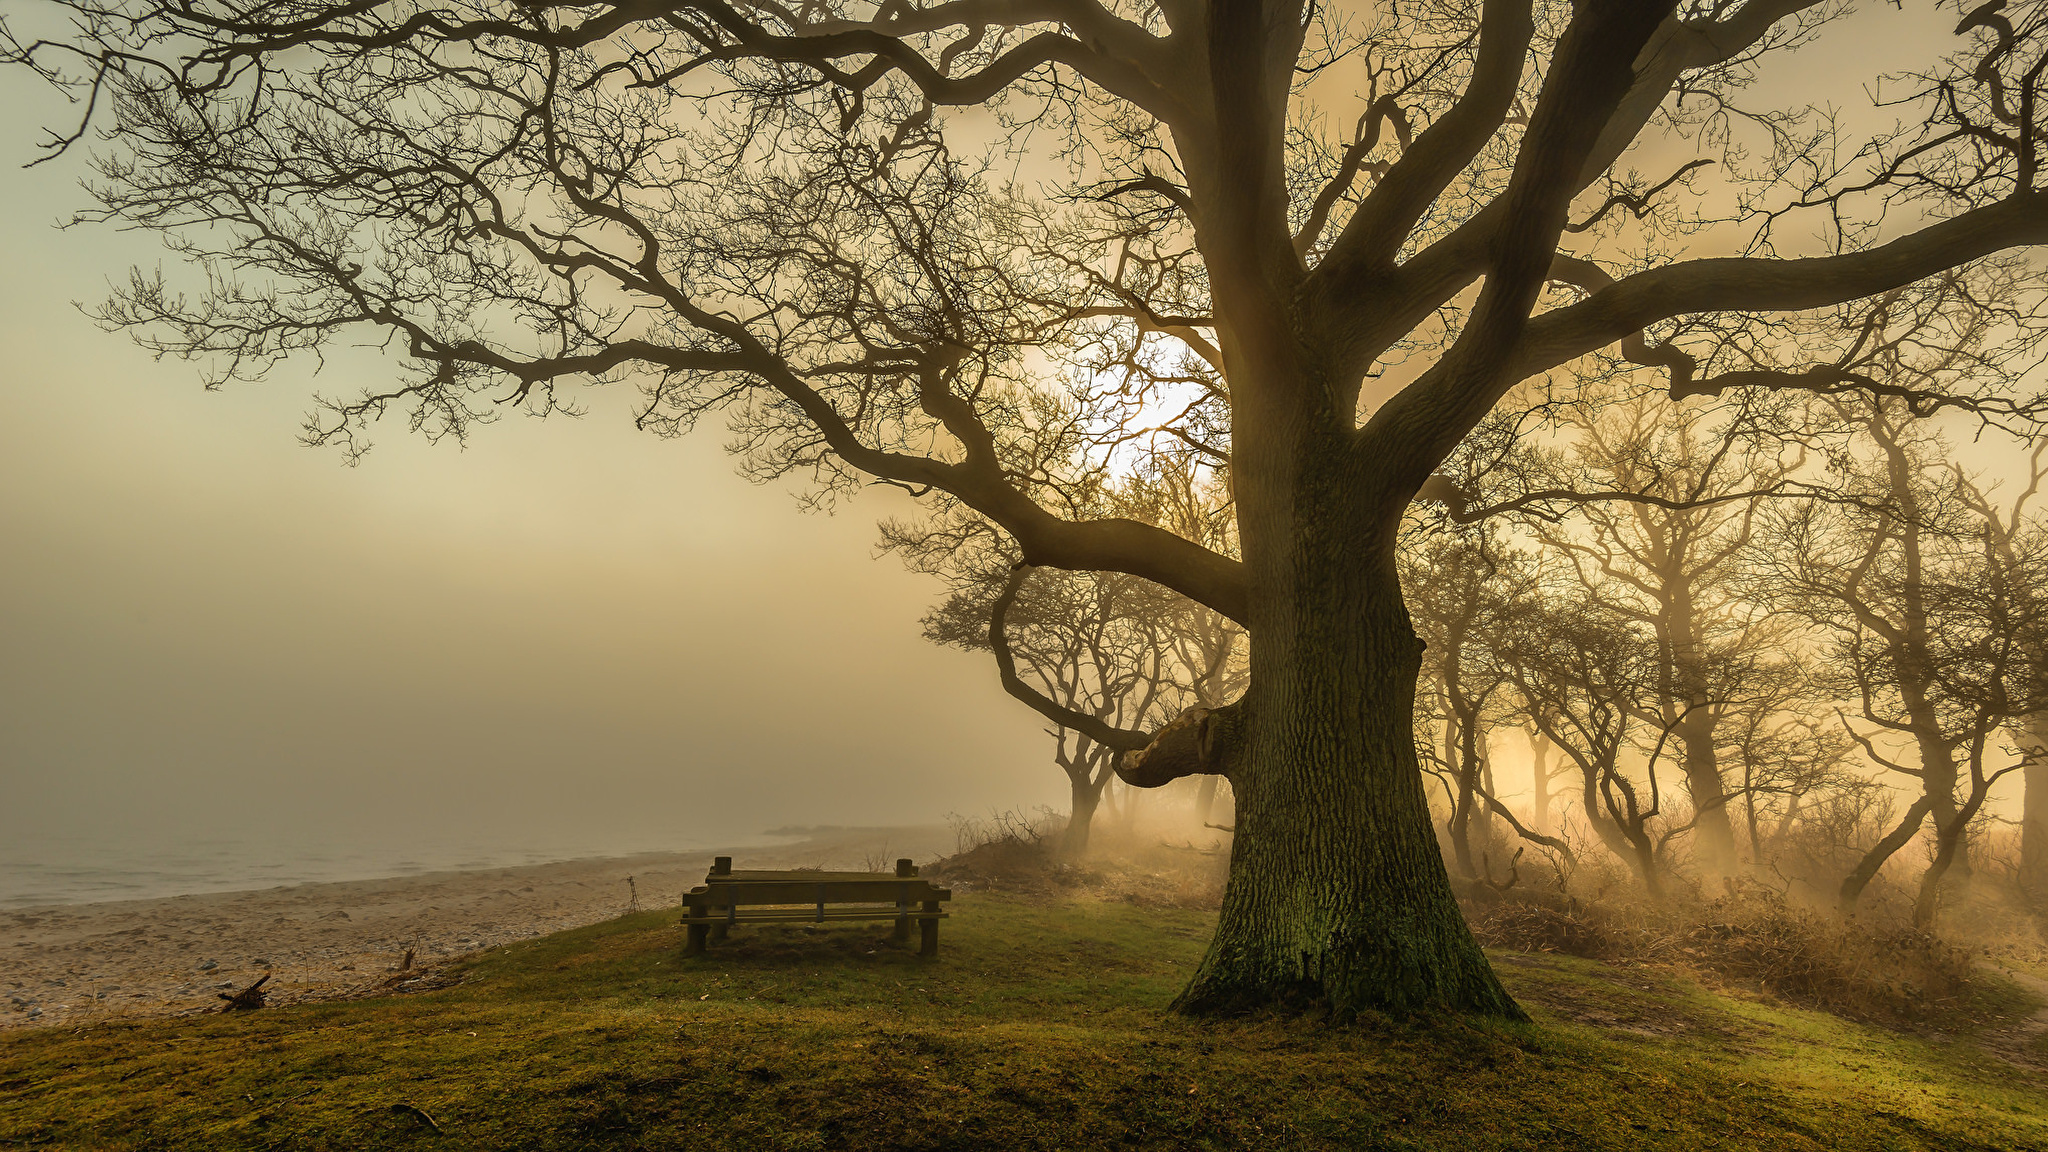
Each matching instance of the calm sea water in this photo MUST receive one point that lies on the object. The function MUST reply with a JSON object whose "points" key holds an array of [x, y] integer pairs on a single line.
{"points": [[70, 869]]}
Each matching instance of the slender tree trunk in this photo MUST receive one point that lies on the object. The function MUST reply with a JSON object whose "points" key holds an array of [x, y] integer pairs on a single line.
{"points": [[1464, 753], [1465, 769], [1866, 869], [1486, 825], [1912, 648], [1713, 831], [1205, 800], [1337, 890], [1937, 769], [2033, 874], [1948, 844], [1612, 814], [1678, 627], [1756, 846], [1951, 841], [1085, 796], [1539, 776]]}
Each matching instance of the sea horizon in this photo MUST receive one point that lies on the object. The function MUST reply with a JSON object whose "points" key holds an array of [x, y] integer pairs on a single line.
{"points": [[41, 869]]}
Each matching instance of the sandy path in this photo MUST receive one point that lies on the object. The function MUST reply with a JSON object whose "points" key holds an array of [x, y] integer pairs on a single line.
{"points": [[68, 963]]}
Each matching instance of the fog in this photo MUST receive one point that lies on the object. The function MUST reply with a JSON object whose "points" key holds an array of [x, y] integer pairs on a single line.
{"points": [[569, 634]]}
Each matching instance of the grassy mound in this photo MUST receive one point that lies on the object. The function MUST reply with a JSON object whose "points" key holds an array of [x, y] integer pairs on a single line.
{"points": [[1041, 1025]]}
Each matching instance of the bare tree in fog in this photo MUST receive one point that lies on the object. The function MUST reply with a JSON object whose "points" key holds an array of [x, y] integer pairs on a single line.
{"points": [[2016, 556], [1174, 491], [1464, 592], [1789, 755], [1364, 229], [1095, 653], [1586, 678], [1542, 775], [1670, 566], [1086, 649], [1928, 623]]}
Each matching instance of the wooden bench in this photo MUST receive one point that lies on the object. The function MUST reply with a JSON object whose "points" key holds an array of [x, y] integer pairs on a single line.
{"points": [[730, 897]]}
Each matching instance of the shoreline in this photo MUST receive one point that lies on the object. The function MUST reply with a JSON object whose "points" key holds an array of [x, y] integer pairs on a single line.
{"points": [[71, 964]]}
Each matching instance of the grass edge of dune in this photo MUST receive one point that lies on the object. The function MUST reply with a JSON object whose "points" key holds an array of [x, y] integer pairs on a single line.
{"points": [[1042, 1024]]}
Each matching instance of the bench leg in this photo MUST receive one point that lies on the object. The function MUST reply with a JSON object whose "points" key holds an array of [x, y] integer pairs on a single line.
{"points": [[697, 934], [902, 933], [928, 931], [719, 927]]}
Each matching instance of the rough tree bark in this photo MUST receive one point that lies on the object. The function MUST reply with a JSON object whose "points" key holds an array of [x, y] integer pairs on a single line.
{"points": [[1338, 890]]}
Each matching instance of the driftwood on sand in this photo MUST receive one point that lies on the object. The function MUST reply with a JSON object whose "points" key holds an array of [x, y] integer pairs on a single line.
{"points": [[248, 999]]}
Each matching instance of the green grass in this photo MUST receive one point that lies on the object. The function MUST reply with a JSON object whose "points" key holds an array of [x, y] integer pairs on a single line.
{"points": [[1042, 1025]]}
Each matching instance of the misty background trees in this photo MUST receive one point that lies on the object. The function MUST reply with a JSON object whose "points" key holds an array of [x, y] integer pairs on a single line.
{"points": [[1723, 644], [1022, 261]]}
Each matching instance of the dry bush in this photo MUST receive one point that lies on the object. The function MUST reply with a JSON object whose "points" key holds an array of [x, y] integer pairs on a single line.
{"points": [[1534, 925], [1006, 851], [1875, 966], [1018, 854]]}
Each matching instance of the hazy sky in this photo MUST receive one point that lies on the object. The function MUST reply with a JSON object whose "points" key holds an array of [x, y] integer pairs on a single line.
{"points": [[569, 629]]}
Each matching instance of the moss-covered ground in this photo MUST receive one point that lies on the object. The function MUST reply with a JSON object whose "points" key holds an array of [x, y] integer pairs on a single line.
{"points": [[1042, 1025]]}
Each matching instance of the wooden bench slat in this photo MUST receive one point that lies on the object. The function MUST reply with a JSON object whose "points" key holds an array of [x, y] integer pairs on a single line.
{"points": [[870, 891]]}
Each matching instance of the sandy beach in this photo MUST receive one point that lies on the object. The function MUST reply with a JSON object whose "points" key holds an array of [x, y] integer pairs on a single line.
{"points": [[73, 963]]}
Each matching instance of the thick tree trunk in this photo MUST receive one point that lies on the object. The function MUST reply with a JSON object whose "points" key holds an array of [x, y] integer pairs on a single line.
{"points": [[1337, 893]]}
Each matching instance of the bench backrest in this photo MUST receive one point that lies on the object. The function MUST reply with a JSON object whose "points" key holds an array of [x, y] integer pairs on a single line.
{"points": [[870, 888], [725, 887]]}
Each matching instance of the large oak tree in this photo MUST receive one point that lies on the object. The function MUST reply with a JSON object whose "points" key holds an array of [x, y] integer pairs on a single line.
{"points": [[1314, 244]]}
